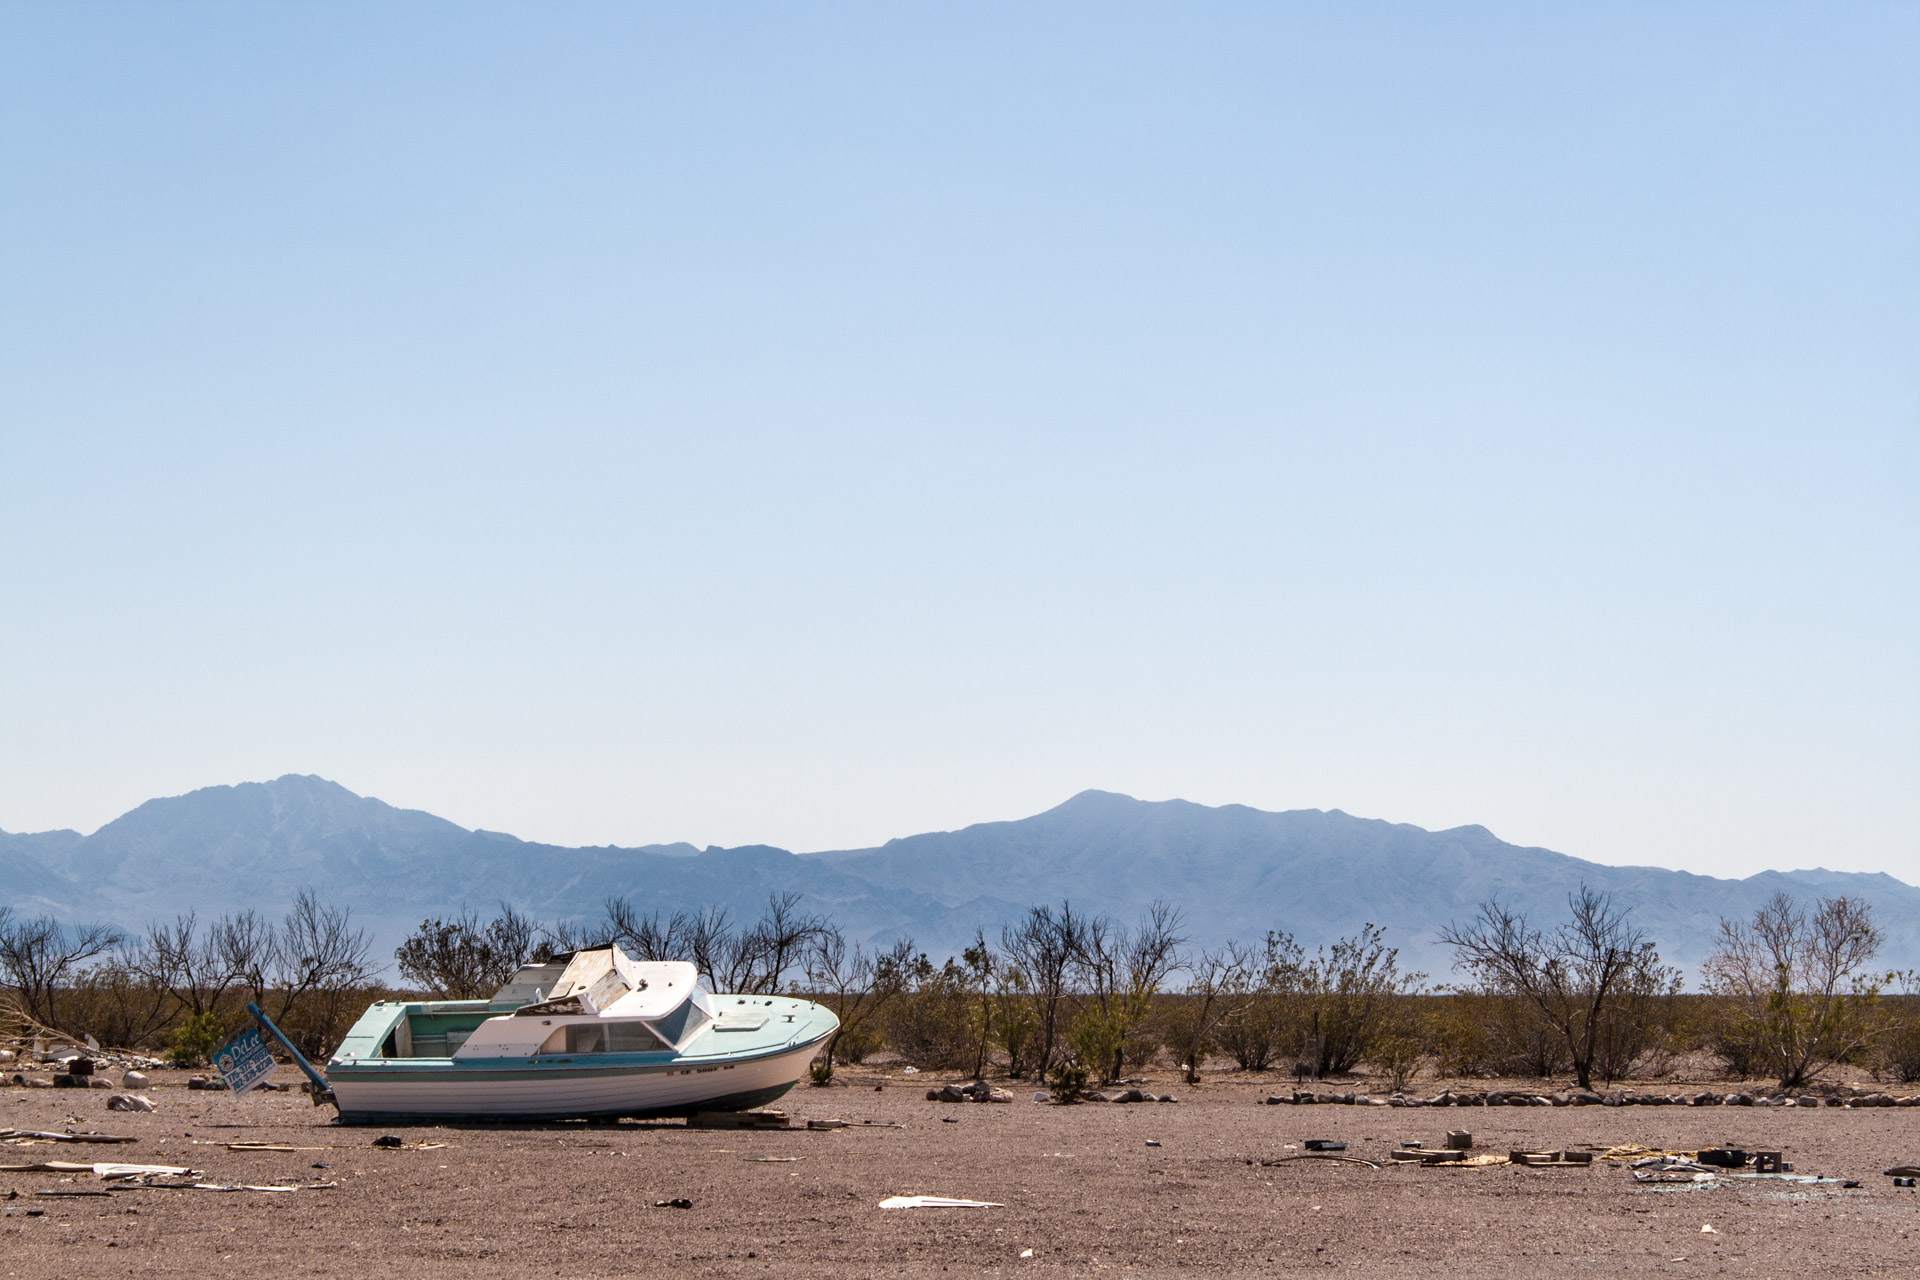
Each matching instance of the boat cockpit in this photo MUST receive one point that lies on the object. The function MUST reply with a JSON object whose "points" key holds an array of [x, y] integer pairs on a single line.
{"points": [[591, 1001]]}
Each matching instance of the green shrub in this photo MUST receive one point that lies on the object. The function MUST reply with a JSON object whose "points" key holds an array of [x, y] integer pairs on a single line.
{"points": [[1068, 1080], [197, 1038]]}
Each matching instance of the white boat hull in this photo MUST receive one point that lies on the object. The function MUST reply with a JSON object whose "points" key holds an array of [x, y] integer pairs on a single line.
{"points": [[481, 1090]]}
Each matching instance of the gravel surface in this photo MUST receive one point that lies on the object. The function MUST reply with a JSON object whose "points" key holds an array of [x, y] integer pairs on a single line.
{"points": [[1078, 1186]]}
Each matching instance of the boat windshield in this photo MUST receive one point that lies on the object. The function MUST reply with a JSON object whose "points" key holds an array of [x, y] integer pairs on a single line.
{"points": [[682, 1024]]}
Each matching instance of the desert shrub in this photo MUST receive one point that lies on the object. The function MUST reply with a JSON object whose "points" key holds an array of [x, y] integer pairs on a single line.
{"points": [[119, 1002], [858, 1044], [1068, 1079], [1399, 1045], [195, 1039], [1119, 972], [1329, 1007], [859, 986], [1459, 1035], [462, 959], [1897, 1052], [1015, 1026], [1591, 979], [1218, 990], [40, 958], [1143, 1045], [1095, 1035], [1251, 1036], [1796, 997], [935, 1022]]}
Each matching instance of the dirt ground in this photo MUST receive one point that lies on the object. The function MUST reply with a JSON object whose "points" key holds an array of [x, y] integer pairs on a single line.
{"points": [[1078, 1186]]}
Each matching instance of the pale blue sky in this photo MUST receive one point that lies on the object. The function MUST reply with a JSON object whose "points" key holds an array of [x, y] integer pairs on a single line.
{"points": [[813, 424]]}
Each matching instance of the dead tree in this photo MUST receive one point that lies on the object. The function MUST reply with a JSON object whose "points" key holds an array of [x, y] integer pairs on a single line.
{"points": [[854, 983], [1577, 978], [1042, 947], [1801, 999], [1218, 988], [40, 957]]}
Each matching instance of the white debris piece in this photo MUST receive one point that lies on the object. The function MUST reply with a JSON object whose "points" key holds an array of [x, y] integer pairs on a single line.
{"points": [[936, 1202], [136, 1170]]}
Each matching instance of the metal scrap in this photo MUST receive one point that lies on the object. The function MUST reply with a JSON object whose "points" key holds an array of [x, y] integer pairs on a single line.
{"points": [[1320, 1155]]}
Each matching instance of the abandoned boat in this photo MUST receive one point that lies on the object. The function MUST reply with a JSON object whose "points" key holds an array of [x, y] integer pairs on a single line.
{"points": [[593, 1033]]}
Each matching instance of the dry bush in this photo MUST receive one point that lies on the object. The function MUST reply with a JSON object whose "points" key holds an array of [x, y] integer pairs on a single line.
{"points": [[935, 1022], [1592, 979], [1399, 1046], [1251, 1036], [1897, 1048], [1796, 995]]}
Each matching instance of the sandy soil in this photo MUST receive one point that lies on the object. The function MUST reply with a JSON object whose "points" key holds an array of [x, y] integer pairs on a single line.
{"points": [[1080, 1187]]}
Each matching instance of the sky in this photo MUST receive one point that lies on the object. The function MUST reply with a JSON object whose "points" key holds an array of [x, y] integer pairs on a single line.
{"points": [[810, 424]]}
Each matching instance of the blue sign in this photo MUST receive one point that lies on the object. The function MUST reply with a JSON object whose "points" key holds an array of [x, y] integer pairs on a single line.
{"points": [[243, 1061]]}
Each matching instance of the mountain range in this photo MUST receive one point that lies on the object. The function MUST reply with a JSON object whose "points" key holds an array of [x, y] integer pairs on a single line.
{"points": [[1233, 871]]}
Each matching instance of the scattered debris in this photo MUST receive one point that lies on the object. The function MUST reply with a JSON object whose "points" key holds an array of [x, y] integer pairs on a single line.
{"points": [[826, 1124], [1631, 1151], [252, 1186], [129, 1102], [772, 1159], [1672, 1168], [36, 1135], [1153, 1142], [388, 1140], [206, 1083], [936, 1202], [737, 1120], [137, 1170], [1551, 1159], [1323, 1144], [47, 1166], [1327, 1155], [978, 1091], [1128, 1095], [678, 1203], [134, 1081], [1459, 1140]]}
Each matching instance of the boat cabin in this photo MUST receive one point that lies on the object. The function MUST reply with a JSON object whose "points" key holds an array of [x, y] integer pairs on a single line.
{"points": [[591, 1001]]}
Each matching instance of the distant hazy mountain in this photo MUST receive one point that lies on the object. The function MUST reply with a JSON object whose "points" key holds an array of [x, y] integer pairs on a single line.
{"points": [[1234, 872]]}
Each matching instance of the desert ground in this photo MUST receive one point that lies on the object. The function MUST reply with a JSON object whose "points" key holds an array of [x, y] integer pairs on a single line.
{"points": [[1082, 1188]]}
